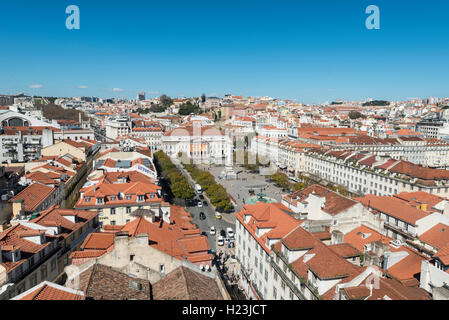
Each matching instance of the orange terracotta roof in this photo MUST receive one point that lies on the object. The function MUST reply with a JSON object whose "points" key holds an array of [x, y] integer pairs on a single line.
{"points": [[50, 291]]}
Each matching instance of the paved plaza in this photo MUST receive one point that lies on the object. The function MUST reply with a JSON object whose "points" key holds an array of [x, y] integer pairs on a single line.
{"points": [[239, 189]]}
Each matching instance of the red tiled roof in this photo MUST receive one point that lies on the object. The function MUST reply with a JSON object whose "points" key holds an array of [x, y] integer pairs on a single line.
{"points": [[34, 195], [50, 291], [393, 207]]}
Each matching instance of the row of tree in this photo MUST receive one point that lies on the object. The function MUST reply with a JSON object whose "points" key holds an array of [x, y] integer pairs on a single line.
{"points": [[283, 181], [179, 184], [216, 193]]}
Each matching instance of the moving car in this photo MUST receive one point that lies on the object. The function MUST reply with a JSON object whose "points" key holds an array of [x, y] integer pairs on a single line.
{"points": [[212, 231], [202, 216], [218, 215], [220, 241]]}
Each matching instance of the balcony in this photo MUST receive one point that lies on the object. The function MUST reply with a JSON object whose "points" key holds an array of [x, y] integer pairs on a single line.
{"points": [[288, 281], [405, 233]]}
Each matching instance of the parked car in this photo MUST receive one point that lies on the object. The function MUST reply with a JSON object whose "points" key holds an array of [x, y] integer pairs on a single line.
{"points": [[200, 204], [205, 203], [201, 197], [223, 233], [202, 216], [230, 232], [220, 241], [212, 231]]}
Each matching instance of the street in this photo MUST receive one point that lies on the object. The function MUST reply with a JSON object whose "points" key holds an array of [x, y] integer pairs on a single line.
{"points": [[227, 221]]}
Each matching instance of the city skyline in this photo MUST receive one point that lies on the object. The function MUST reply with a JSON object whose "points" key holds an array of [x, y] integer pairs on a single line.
{"points": [[311, 52]]}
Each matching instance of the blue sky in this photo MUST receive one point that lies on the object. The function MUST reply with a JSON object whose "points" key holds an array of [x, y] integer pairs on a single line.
{"points": [[310, 50]]}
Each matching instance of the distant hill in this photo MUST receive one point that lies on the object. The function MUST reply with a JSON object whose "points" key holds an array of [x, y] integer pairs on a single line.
{"points": [[376, 103], [55, 112]]}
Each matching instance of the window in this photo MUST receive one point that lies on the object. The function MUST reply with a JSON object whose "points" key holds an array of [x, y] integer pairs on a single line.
{"points": [[33, 280], [112, 211], [128, 210], [44, 272], [100, 200], [128, 197], [87, 199], [266, 275], [141, 198], [162, 268], [53, 265], [113, 223], [131, 257], [112, 198], [274, 293]]}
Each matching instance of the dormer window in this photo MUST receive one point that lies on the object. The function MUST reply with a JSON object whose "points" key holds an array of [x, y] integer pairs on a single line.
{"points": [[113, 198], [128, 197], [100, 200], [87, 199], [140, 198]]}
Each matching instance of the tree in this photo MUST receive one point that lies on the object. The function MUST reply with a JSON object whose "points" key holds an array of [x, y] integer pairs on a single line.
{"points": [[353, 115], [281, 179], [188, 108], [376, 103], [157, 108], [165, 101]]}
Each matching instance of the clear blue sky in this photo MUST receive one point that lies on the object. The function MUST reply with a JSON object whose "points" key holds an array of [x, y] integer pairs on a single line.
{"points": [[310, 50]]}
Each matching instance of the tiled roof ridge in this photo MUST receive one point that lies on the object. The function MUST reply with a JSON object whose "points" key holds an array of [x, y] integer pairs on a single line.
{"points": [[185, 284], [89, 282], [39, 291]]}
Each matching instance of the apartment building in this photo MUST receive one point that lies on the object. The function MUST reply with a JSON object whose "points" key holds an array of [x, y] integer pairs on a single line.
{"points": [[436, 128], [427, 152], [285, 153], [37, 250], [364, 173], [82, 149], [281, 260], [318, 203], [117, 127], [258, 228], [34, 198], [23, 144], [151, 135], [114, 161], [116, 195], [151, 246]]}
